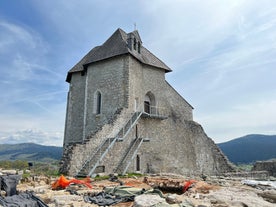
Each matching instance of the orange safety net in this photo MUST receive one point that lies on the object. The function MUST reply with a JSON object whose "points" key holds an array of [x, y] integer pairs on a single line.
{"points": [[62, 182]]}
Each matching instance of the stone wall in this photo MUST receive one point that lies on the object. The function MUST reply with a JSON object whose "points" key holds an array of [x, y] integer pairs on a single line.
{"points": [[110, 78], [75, 154], [178, 147], [177, 144], [269, 166], [144, 79], [258, 175], [75, 108]]}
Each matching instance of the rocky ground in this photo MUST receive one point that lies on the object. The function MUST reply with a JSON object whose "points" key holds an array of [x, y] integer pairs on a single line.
{"points": [[210, 192]]}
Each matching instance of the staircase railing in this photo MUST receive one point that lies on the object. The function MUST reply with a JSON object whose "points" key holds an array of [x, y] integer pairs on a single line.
{"points": [[132, 152], [106, 145], [129, 125], [97, 156], [155, 111], [119, 169]]}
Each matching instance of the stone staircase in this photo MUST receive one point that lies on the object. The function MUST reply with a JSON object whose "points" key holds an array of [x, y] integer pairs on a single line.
{"points": [[106, 145], [129, 155]]}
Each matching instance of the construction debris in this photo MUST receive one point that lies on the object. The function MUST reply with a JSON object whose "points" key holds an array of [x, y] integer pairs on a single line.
{"points": [[214, 192], [170, 185], [62, 183], [260, 184]]}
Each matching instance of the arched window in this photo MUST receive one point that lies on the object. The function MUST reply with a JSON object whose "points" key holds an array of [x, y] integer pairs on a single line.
{"points": [[97, 102], [149, 103]]}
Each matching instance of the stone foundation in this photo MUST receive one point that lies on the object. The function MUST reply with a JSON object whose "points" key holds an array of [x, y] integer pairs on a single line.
{"points": [[269, 166]]}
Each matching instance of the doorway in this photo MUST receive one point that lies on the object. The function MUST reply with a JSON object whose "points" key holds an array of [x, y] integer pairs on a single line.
{"points": [[147, 107]]}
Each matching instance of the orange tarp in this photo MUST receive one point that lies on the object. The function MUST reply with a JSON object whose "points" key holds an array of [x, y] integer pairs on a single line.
{"points": [[62, 182]]}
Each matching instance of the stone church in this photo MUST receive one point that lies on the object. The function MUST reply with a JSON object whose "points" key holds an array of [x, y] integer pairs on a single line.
{"points": [[123, 116]]}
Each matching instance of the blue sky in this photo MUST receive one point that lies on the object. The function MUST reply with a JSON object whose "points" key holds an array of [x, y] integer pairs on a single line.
{"points": [[222, 52]]}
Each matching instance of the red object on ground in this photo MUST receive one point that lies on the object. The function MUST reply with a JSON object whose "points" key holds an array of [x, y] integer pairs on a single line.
{"points": [[62, 182], [187, 184]]}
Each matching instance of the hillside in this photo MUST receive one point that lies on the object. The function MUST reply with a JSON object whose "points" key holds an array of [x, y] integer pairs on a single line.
{"points": [[250, 148], [247, 149], [29, 152]]}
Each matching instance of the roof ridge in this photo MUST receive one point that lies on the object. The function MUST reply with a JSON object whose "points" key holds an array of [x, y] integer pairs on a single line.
{"points": [[118, 31], [156, 58], [118, 44]]}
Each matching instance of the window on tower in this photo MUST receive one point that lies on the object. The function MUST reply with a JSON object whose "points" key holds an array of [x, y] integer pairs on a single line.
{"points": [[97, 102]]}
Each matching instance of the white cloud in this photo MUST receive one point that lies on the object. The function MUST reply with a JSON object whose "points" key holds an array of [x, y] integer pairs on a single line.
{"points": [[227, 66], [32, 93], [250, 118], [19, 39], [33, 136], [12, 34], [52, 119], [25, 51]]}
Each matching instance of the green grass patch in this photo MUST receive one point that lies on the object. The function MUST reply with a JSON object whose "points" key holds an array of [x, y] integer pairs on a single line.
{"points": [[131, 175], [37, 168], [245, 167], [104, 177]]}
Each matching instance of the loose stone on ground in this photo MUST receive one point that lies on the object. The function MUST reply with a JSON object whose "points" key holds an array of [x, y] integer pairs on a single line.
{"points": [[214, 192]]}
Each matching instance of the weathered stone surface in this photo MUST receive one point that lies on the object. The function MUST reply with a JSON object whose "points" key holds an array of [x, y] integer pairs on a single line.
{"points": [[147, 200], [234, 196], [8, 172], [269, 195], [174, 198], [231, 193], [269, 166]]}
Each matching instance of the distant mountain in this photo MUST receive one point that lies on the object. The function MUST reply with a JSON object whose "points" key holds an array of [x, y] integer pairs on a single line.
{"points": [[33, 136], [250, 148], [29, 152]]}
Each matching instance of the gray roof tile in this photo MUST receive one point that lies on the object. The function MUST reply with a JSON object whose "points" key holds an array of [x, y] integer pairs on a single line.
{"points": [[117, 45]]}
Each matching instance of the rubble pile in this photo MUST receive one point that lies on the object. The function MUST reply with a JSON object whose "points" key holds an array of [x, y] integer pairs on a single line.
{"points": [[150, 190]]}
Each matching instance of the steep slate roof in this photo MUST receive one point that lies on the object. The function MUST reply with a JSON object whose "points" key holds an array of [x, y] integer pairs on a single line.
{"points": [[117, 45]]}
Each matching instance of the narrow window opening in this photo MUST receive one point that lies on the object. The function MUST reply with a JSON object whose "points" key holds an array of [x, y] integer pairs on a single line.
{"points": [[137, 163], [99, 103], [136, 131]]}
